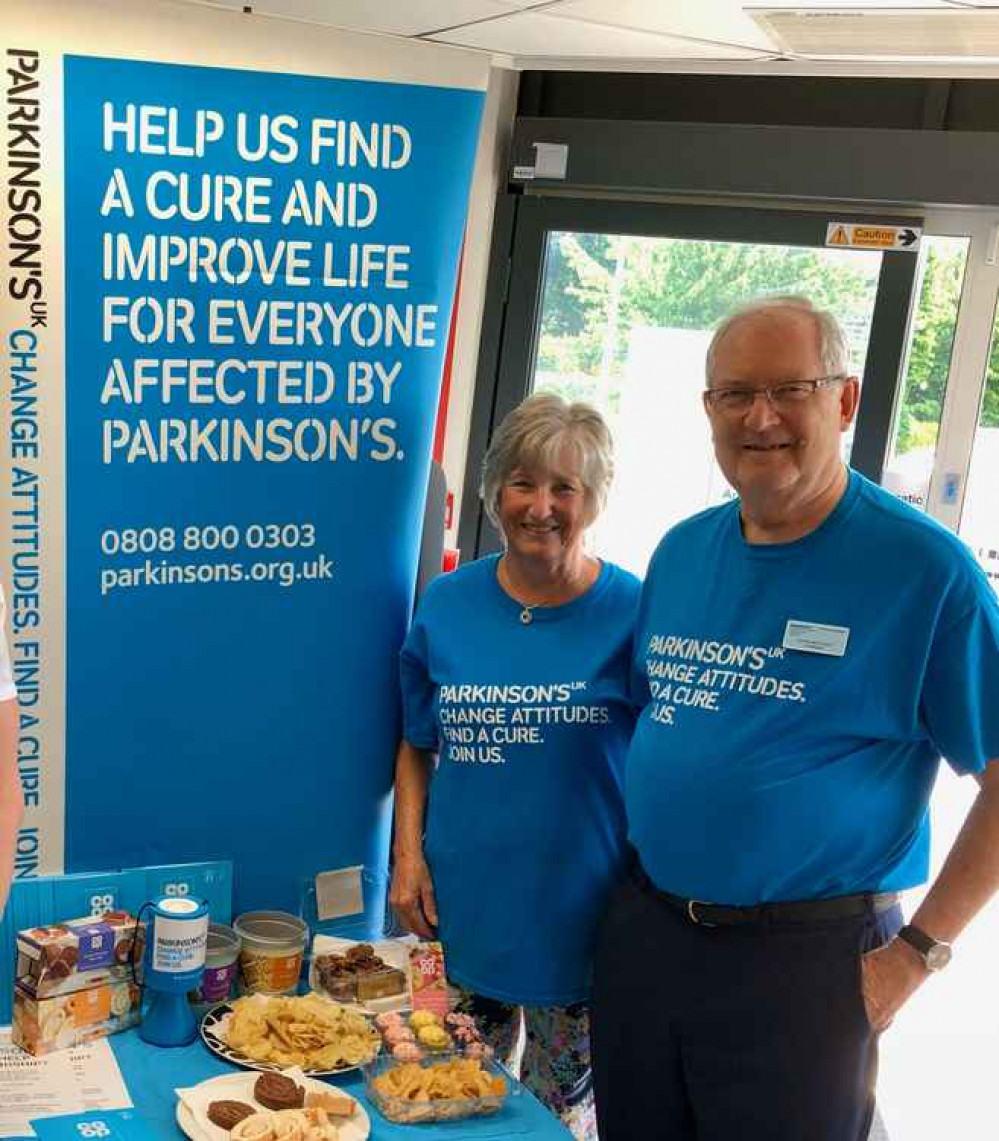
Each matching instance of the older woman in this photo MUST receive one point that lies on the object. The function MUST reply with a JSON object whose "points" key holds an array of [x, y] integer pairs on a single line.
{"points": [[515, 674]]}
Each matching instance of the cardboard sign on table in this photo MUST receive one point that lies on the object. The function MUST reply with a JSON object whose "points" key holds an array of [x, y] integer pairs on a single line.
{"points": [[98, 1125]]}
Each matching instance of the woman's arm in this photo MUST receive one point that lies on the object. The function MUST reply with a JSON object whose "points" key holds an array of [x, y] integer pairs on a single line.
{"points": [[11, 796], [412, 891]]}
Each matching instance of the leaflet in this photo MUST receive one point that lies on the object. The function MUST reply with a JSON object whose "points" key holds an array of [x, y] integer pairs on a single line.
{"points": [[75, 1080]]}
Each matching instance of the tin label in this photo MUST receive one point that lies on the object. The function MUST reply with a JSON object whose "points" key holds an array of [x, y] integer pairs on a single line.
{"points": [[216, 983]]}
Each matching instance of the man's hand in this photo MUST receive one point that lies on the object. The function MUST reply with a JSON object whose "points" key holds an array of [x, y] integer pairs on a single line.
{"points": [[890, 975], [412, 896]]}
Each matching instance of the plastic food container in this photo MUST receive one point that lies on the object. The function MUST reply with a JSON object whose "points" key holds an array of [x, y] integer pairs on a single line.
{"points": [[272, 950], [410, 1110], [221, 967]]}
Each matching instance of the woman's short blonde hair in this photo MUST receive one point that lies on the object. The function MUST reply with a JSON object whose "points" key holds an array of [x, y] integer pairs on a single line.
{"points": [[535, 435]]}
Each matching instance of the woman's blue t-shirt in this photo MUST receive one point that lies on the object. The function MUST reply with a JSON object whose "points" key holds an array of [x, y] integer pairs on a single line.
{"points": [[525, 830]]}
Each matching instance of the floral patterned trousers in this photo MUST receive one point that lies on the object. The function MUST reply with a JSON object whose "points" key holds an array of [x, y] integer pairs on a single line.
{"points": [[555, 1064]]}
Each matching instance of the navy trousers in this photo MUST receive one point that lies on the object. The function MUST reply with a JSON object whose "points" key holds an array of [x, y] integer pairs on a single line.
{"points": [[731, 1033]]}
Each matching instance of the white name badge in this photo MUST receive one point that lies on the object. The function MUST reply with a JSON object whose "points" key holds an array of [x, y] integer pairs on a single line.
{"points": [[816, 638]]}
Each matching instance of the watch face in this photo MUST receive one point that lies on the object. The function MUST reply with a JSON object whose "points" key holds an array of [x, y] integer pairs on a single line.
{"points": [[938, 956]]}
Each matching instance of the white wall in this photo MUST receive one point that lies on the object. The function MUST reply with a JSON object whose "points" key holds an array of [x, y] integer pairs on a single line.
{"points": [[210, 37]]}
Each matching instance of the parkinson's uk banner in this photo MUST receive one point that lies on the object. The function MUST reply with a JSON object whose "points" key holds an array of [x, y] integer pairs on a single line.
{"points": [[226, 297]]}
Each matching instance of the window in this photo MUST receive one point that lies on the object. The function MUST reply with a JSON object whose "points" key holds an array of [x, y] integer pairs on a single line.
{"points": [[917, 423], [625, 323]]}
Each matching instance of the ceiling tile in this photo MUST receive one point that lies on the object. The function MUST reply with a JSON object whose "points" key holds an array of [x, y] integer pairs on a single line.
{"points": [[554, 36], [713, 20], [412, 18]]}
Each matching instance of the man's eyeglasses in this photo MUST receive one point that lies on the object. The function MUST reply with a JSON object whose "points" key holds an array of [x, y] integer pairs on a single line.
{"points": [[736, 400]]}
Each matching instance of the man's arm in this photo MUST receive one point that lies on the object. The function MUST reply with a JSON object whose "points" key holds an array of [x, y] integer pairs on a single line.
{"points": [[412, 891], [967, 881], [11, 796]]}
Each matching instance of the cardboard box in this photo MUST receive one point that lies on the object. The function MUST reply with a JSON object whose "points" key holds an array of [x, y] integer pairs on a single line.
{"points": [[41, 1025], [427, 978], [78, 954]]}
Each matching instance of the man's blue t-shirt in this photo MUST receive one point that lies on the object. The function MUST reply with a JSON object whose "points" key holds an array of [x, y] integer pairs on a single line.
{"points": [[525, 831], [781, 763]]}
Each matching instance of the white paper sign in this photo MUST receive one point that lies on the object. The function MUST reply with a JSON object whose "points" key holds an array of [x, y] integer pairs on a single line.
{"points": [[68, 1081], [551, 160]]}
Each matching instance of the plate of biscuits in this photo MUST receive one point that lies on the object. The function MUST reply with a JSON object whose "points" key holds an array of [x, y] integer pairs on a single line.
{"points": [[273, 1032], [287, 1106]]}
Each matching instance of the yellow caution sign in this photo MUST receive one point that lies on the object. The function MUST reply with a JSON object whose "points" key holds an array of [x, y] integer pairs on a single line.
{"points": [[873, 237], [857, 237]]}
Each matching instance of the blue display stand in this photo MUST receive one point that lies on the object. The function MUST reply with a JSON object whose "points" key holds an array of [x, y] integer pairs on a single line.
{"points": [[54, 899]]}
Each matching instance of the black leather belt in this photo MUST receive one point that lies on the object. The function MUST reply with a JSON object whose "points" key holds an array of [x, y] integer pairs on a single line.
{"points": [[705, 914]]}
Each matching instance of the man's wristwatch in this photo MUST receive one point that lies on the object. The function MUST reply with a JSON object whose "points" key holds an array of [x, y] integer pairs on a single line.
{"points": [[935, 955]]}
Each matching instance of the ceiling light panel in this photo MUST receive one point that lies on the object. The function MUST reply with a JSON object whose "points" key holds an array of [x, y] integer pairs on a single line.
{"points": [[954, 33], [849, 5], [552, 36]]}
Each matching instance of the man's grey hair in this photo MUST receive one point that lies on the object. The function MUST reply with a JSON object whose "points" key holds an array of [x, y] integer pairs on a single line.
{"points": [[534, 437], [834, 352]]}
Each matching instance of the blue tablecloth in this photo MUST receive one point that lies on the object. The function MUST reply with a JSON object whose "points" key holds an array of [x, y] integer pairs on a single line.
{"points": [[152, 1075]]}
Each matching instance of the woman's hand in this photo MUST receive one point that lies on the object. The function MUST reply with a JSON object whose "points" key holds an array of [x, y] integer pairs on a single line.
{"points": [[412, 896]]}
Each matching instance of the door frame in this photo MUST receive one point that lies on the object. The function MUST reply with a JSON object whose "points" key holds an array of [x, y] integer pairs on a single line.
{"points": [[969, 355]]}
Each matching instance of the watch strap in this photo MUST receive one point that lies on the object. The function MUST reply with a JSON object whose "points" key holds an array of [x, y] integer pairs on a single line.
{"points": [[935, 955], [917, 939]]}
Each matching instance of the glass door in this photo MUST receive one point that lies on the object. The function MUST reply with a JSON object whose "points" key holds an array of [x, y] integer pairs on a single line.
{"points": [[625, 323], [615, 304], [979, 526], [975, 430], [944, 459], [940, 277]]}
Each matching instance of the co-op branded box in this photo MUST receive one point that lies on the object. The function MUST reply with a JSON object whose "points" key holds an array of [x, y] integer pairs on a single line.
{"points": [[42, 1025], [76, 981], [79, 953]]}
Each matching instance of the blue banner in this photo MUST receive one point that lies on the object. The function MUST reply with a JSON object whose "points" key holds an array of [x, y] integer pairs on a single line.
{"points": [[259, 275]]}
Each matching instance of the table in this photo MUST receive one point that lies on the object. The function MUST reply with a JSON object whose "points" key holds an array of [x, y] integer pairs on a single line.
{"points": [[152, 1074]]}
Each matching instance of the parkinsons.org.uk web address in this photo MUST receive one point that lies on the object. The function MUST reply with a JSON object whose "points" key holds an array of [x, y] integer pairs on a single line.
{"points": [[164, 572]]}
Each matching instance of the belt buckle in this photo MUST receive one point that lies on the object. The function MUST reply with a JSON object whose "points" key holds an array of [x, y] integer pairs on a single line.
{"points": [[692, 915]]}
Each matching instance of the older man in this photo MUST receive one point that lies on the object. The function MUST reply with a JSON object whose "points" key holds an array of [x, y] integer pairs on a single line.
{"points": [[807, 654]]}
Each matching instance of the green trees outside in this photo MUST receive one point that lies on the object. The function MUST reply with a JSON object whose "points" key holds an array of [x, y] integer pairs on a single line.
{"points": [[599, 286]]}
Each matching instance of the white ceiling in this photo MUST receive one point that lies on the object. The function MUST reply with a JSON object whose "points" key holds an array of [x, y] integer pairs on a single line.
{"points": [[659, 35]]}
